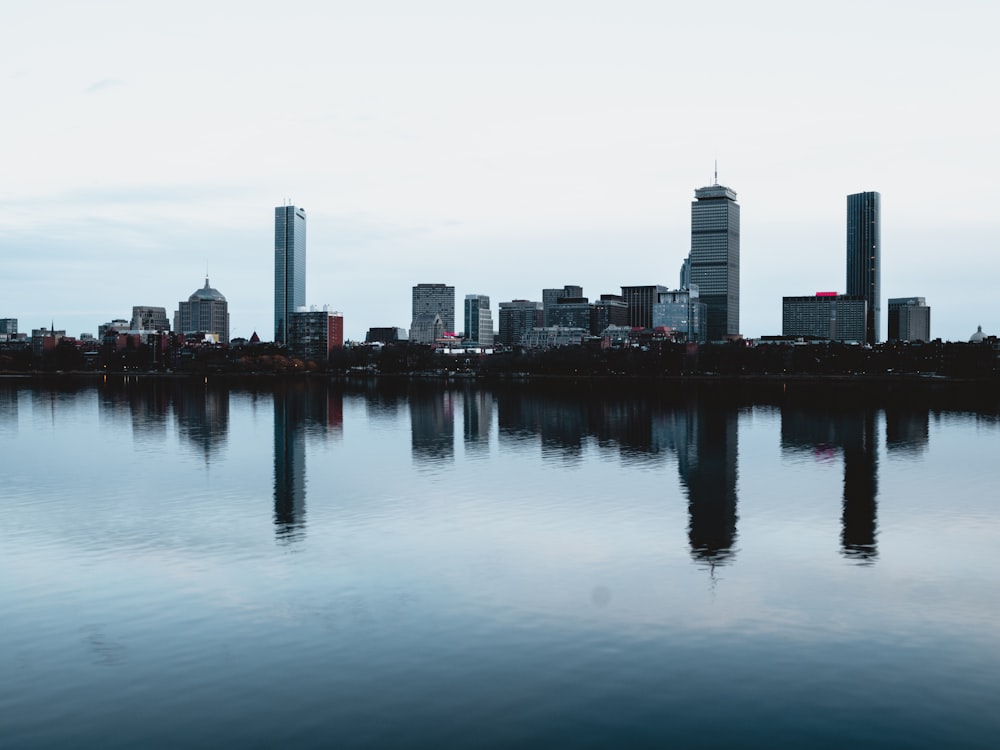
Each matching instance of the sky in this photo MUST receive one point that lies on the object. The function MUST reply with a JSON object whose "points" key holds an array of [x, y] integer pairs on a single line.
{"points": [[499, 147]]}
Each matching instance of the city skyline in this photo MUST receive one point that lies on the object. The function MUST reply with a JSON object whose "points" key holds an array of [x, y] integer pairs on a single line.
{"points": [[550, 140]]}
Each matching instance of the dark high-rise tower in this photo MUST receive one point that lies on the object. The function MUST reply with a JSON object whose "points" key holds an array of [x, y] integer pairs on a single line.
{"points": [[714, 263], [864, 248], [289, 266]]}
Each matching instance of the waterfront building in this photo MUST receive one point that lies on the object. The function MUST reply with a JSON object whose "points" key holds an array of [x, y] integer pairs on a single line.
{"points": [[550, 297], [385, 335], [571, 312], [864, 249], [314, 333], [206, 311], [640, 301], [609, 310], [146, 318], [909, 319], [426, 328], [683, 312], [435, 298], [289, 266], [548, 337], [827, 315], [478, 320], [518, 317], [714, 262]]}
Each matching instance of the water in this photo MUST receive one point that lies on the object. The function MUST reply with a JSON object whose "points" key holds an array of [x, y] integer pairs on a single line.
{"points": [[417, 566]]}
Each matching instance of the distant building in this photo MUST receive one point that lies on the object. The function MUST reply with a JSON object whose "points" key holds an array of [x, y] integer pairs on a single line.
{"points": [[827, 315], [909, 319], [864, 248], [683, 312], [426, 328], [385, 335], [517, 318], [609, 310], [552, 296], [206, 311], [714, 263], [548, 337], [313, 334], [146, 318], [478, 320], [640, 301], [435, 298], [570, 312], [8, 326], [118, 325], [289, 266]]}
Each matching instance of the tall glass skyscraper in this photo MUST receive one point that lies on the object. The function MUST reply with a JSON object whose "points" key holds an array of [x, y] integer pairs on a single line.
{"points": [[289, 266], [714, 263], [864, 249]]}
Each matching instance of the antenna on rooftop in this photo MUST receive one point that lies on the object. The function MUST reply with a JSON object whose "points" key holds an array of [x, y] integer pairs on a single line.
{"points": [[716, 182]]}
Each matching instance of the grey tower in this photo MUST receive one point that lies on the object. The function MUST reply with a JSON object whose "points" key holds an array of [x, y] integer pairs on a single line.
{"points": [[864, 248], [289, 266], [714, 263]]}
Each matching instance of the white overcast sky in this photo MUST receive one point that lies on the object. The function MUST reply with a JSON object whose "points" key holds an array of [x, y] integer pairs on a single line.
{"points": [[501, 147]]}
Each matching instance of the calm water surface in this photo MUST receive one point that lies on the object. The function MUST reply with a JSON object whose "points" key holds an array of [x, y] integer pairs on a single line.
{"points": [[199, 566]]}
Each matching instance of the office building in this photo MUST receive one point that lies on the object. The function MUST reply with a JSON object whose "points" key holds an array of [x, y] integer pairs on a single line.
{"points": [[145, 318], [827, 315], [426, 328], [313, 333], [714, 262], [8, 326], [571, 312], [551, 296], [386, 335], [864, 248], [909, 319], [517, 318], [609, 311], [478, 320], [206, 312], [640, 301], [683, 312], [289, 267], [435, 298]]}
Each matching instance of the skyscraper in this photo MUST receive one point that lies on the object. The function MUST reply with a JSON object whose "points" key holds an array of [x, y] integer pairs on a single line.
{"points": [[909, 319], [864, 248], [289, 266], [435, 298], [478, 320], [714, 263]]}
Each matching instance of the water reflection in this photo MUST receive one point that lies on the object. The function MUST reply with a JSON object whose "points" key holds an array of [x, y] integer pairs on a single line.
{"points": [[477, 419], [707, 463], [202, 415], [432, 425], [301, 409], [848, 430]]}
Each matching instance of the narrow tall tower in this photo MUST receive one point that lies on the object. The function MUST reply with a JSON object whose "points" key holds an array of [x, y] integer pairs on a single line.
{"points": [[864, 250], [714, 263], [289, 266]]}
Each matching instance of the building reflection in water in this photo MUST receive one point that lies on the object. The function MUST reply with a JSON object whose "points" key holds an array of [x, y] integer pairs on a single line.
{"points": [[8, 410], [702, 435], [907, 429], [302, 409], [201, 411], [432, 425], [477, 418], [706, 440], [849, 430]]}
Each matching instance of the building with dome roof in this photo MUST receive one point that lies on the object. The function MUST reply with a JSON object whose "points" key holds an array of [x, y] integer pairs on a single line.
{"points": [[206, 311], [978, 337]]}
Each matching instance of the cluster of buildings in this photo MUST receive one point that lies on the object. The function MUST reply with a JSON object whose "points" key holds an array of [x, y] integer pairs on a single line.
{"points": [[705, 306], [856, 315]]}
